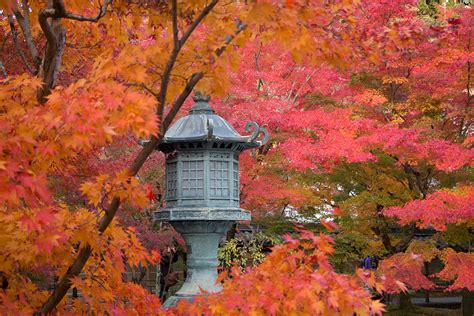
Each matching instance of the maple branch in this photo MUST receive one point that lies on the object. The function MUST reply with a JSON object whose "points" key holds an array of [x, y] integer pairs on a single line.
{"points": [[196, 22], [175, 52], [84, 46], [24, 22], [195, 78], [17, 45], [175, 23], [76, 267], [81, 18], [421, 184], [64, 284], [257, 57], [463, 127], [290, 93], [181, 98], [382, 231], [308, 78], [402, 245], [43, 16], [56, 41], [2, 46], [143, 86], [240, 28]]}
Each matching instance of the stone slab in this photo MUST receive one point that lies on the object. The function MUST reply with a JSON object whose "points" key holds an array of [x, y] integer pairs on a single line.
{"points": [[202, 213]]}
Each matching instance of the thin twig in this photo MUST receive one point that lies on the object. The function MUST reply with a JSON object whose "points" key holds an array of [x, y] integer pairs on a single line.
{"points": [[141, 85]]}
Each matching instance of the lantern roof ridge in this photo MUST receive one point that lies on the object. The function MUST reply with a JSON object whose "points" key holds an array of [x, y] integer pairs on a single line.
{"points": [[202, 124]]}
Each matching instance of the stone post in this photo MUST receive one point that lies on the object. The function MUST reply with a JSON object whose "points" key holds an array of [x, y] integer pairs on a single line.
{"points": [[202, 239]]}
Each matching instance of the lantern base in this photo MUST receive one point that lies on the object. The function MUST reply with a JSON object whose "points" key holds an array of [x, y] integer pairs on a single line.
{"points": [[173, 300], [202, 239]]}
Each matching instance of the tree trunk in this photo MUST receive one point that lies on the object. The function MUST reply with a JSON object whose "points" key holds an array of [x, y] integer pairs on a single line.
{"points": [[232, 231], [427, 273], [405, 301], [467, 303]]}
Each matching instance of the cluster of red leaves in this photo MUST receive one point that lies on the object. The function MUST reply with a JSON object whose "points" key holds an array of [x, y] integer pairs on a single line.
{"points": [[296, 278], [438, 209], [330, 137], [402, 271], [264, 190], [458, 268]]}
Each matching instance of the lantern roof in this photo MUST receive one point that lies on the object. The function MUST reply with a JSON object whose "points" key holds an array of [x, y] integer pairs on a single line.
{"points": [[202, 124]]}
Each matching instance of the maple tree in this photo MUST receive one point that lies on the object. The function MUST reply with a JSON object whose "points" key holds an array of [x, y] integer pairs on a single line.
{"points": [[370, 112], [78, 77], [394, 128]]}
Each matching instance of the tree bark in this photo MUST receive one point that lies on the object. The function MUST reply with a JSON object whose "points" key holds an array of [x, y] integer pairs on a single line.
{"points": [[467, 303], [405, 301]]}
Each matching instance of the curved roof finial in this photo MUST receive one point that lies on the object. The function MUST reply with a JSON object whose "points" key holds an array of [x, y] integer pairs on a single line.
{"points": [[199, 97], [202, 105]]}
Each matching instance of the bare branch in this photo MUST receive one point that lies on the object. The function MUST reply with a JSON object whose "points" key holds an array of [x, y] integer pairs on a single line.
{"points": [[101, 14], [4, 71], [195, 78], [240, 28], [175, 23], [198, 20], [174, 55], [43, 16], [24, 22], [23, 57], [141, 85]]}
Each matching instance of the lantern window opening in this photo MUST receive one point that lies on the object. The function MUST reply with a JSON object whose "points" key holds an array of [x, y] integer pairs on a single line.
{"points": [[172, 180], [219, 178], [235, 179], [192, 179]]}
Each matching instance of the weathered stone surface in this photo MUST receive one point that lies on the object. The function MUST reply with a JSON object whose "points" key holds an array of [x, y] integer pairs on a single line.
{"points": [[202, 238], [202, 213]]}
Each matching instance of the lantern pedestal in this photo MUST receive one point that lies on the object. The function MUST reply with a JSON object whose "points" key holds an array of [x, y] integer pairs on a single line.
{"points": [[202, 239], [202, 229]]}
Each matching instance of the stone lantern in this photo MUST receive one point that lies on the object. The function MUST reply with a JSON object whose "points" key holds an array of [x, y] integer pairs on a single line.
{"points": [[202, 188]]}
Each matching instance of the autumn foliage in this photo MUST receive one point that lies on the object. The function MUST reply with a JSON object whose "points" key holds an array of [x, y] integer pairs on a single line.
{"points": [[385, 141], [369, 104], [295, 278]]}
